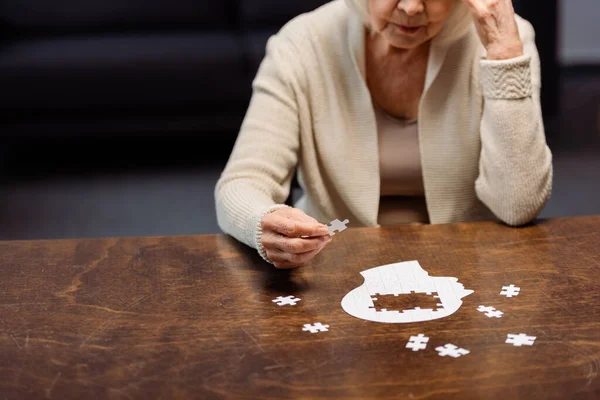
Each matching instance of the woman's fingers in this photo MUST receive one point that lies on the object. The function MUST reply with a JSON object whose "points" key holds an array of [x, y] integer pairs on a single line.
{"points": [[497, 27], [284, 260], [291, 238], [292, 224], [294, 228], [293, 245]]}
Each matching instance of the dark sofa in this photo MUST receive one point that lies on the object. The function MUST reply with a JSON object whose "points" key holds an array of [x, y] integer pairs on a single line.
{"points": [[132, 67], [140, 67]]}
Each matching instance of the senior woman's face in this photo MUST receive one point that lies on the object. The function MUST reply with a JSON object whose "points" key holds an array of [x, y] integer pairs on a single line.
{"points": [[407, 24]]}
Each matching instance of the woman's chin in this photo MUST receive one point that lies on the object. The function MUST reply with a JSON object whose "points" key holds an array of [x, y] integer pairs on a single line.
{"points": [[405, 43], [398, 39]]}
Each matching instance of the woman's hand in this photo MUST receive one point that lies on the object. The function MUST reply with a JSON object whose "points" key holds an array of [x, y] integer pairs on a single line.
{"points": [[291, 238], [497, 27]]}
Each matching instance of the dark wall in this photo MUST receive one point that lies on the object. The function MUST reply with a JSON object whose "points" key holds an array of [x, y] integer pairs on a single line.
{"points": [[544, 17]]}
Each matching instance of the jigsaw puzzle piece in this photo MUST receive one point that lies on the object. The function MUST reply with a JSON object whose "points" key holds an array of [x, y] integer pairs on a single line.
{"points": [[337, 225]]}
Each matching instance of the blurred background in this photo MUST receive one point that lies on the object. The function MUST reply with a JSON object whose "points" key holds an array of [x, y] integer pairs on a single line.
{"points": [[118, 116]]}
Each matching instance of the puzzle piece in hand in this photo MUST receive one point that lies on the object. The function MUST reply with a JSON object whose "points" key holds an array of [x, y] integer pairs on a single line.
{"points": [[337, 225], [286, 301], [318, 327], [417, 343], [510, 291], [490, 312], [451, 350], [520, 339]]}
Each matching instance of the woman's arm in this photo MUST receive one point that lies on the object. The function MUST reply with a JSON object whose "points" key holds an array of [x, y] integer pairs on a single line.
{"points": [[260, 169], [516, 172]]}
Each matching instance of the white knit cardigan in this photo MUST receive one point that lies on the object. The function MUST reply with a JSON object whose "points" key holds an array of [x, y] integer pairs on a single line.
{"points": [[483, 148]]}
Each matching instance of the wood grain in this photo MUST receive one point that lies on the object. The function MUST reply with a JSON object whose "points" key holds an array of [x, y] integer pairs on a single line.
{"points": [[193, 317]]}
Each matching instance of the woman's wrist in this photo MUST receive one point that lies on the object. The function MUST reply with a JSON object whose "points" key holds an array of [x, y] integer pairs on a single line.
{"points": [[505, 51], [259, 229]]}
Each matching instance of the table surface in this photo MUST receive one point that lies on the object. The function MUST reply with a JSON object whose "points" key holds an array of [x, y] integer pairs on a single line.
{"points": [[193, 317]]}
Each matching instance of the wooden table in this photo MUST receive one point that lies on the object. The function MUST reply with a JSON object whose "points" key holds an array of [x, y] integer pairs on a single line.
{"points": [[193, 317]]}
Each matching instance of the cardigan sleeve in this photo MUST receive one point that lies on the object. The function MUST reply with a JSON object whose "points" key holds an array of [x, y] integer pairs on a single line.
{"points": [[515, 171], [258, 174]]}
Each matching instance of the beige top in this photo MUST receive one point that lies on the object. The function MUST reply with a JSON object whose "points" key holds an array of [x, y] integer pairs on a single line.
{"points": [[481, 132], [401, 176]]}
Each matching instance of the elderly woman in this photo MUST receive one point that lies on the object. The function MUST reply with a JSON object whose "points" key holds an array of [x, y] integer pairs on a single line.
{"points": [[391, 112]]}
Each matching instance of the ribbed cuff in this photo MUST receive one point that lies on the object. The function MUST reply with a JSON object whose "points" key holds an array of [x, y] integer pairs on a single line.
{"points": [[506, 79], [259, 231]]}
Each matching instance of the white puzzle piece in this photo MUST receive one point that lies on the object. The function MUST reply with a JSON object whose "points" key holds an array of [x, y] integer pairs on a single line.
{"points": [[337, 225], [315, 328], [520, 339], [510, 291], [398, 279], [490, 312], [418, 342], [286, 301], [451, 350]]}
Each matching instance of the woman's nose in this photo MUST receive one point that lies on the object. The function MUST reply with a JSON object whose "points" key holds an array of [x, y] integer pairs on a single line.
{"points": [[411, 7]]}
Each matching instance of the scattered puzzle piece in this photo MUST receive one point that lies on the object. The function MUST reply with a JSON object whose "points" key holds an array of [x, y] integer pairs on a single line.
{"points": [[337, 225], [417, 343], [510, 291], [520, 339], [286, 301], [451, 350], [317, 327], [490, 312]]}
